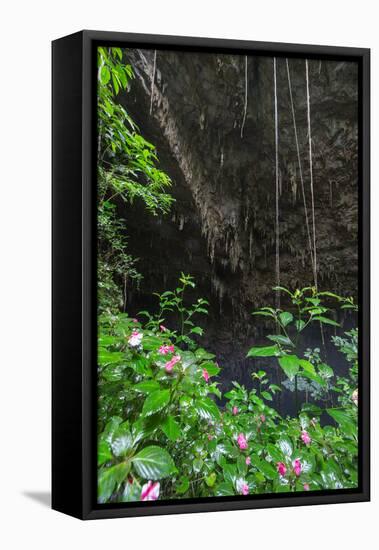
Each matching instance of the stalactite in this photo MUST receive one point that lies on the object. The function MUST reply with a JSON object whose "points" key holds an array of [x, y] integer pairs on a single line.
{"points": [[152, 81], [245, 105], [311, 172], [277, 231]]}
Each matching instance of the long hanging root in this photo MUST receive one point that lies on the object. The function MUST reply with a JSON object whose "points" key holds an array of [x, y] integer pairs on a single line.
{"points": [[277, 232], [245, 105], [311, 174], [152, 81], [300, 166]]}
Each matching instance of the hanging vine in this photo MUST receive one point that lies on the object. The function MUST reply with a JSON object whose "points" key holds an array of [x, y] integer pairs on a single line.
{"points": [[245, 103], [277, 231], [152, 81], [311, 174], [300, 169]]}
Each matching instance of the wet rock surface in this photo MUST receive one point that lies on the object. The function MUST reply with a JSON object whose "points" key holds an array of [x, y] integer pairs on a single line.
{"points": [[222, 226]]}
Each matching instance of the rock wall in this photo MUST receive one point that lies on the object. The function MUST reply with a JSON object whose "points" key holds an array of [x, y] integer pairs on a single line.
{"points": [[222, 226]]}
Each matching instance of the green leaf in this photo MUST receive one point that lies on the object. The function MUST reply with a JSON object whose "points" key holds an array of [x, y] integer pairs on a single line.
{"points": [[197, 330], [290, 365], [285, 318], [151, 343], [109, 479], [274, 452], [207, 409], [325, 320], [148, 386], [280, 339], [171, 428], [285, 446], [325, 371], [210, 367], [224, 489], [122, 441], [346, 422], [103, 453], [155, 402], [201, 354], [105, 75], [266, 395], [267, 351], [267, 469], [299, 324], [211, 479], [153, 462], [183, 485], [107, 357]]}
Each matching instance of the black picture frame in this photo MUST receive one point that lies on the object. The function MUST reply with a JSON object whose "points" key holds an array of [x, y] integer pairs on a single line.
{"points": [[73, 272]]}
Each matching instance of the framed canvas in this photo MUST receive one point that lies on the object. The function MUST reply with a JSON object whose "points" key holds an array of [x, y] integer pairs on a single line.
{"points": [[210, 275]]}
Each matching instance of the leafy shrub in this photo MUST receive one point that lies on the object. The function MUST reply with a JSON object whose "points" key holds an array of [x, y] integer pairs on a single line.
{"points": [[163, 434]]}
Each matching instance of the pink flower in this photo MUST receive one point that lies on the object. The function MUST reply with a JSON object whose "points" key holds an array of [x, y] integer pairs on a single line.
{"points": [[296, 467], [135, 339], [235, 410], [205, 375], [242, 487], [263, 418], [164, 350], [281, 467], [210, 437], [306, 486], [150, 491], [306, 437], [242, 442], [135, 320], [248, 461], [163, 329], [170, 364]]}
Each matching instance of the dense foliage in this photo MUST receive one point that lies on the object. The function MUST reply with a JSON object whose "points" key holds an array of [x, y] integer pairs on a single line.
{"points": [[162, 433], [165, 430], [127, 170]]}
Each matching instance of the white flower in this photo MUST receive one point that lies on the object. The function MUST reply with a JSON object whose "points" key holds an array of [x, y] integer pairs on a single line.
{"points": [[135, 339]]}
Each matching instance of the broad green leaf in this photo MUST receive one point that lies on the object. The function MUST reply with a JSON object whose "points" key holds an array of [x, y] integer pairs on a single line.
{"points": [[171, 428], [326, 321], [201, 354], [122, 441], [148, 386], [342, 417], [207, 409], [267, 469], [109, 479], [299, 324], [155, 402], [285, 446], [153, 462], [107, 357], [211, 479], [290, 365], [325, 371], [224, 489], [280, 339], [103, 453], [105, 75], [151, 343], [266, 395], [285, 318], [267, 351], [183, 485], [274, 452], [210, 367]]}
